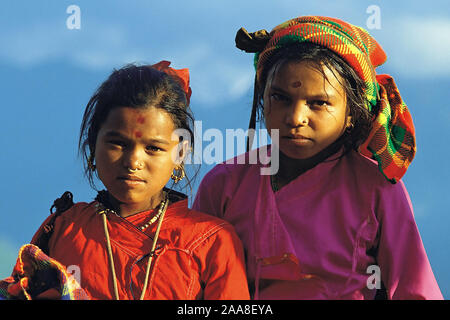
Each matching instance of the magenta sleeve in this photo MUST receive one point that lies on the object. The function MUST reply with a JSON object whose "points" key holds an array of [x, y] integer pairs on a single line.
{"points": [[405, 269]]}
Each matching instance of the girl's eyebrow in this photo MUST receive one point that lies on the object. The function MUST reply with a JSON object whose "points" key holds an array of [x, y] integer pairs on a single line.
{"points": [[322, 96], [317, 96], [113, 133], [275, 88], [162, 141], [117, 134]]}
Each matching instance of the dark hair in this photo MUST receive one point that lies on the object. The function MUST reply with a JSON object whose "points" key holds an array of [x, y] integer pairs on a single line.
{"points": [[135, 87], [353, 85]]}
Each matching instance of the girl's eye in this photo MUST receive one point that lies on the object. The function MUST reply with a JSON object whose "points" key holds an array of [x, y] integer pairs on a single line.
{"points": [[318, 103], [117, 143], [279, 97], [153, 149]]}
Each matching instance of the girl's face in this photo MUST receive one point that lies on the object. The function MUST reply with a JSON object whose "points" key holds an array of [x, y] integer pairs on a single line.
{"points": [[309, 110], [136, 139]]}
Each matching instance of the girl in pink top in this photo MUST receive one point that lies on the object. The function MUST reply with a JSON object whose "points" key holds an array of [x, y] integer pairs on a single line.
{"points": [[333, 220]]}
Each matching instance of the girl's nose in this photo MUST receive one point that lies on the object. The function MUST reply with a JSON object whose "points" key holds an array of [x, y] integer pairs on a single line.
{"points": [[298, 115], [132, 160]]}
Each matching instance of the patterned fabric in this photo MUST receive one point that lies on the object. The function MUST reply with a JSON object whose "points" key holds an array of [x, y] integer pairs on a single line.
{"points": [[37, 276], [392, 140]]}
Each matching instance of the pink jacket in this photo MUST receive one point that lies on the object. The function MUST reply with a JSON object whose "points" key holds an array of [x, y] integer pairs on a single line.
{"points": [[326, 234]]}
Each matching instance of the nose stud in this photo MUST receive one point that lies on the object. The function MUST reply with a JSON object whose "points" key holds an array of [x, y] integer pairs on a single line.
{"points": [[134, 166], [133, 170]]}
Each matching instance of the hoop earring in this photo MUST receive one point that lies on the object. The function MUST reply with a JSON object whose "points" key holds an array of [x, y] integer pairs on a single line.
{"points": [[179, 174], [350, 127], [90, 163]]}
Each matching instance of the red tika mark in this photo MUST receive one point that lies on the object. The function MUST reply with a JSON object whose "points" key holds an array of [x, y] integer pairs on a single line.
{"points": [[138, 134], [297, 84], [141, 119]]}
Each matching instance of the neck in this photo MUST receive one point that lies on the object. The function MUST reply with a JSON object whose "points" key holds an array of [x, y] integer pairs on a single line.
{"points": [[291, 168], [128, 209]]}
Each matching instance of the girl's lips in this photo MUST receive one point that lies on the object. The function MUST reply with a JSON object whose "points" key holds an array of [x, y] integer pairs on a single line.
{"points": [[298, 140], [131, 180], [296, 136], [130, 177]]}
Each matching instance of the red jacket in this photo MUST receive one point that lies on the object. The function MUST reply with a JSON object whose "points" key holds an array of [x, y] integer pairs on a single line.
{"points": [[197, 256]]}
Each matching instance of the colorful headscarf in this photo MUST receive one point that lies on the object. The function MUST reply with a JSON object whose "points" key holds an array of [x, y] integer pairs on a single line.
{"points": [[392, 139], [37, 276], [181, 75]]}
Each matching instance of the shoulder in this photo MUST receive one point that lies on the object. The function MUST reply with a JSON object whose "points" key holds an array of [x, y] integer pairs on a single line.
{"points": [[56, 222], [71, 212], [198, 228], [221, 184], [224, 172], [388, 196], [366, 170], [79, 209], [200, 223], [360, 177], [78, 215], [235, 169]]}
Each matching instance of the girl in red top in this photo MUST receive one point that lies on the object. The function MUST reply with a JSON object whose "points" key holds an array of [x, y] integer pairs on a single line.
{"points": [[138, 239]]}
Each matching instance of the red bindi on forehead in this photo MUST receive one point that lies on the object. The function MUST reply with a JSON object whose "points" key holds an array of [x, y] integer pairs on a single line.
{"points": [[140, 119], [296, 84]]}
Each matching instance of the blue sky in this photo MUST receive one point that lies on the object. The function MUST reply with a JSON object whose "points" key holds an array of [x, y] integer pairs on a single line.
{"points": [[48, 73]]}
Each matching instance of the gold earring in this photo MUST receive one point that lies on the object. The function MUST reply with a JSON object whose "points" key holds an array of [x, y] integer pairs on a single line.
{"points": [[350, 127], [90, 163], [179, 174]]}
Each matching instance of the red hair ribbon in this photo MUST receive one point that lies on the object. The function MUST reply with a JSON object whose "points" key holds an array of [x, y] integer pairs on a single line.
{"points": [[181, 75]]}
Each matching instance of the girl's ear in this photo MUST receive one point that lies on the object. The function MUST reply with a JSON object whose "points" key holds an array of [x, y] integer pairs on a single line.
{"points": [[183, 147], [183, 150]]}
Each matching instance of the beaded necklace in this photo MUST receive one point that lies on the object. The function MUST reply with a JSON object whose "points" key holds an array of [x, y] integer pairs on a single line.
{"points": [[160, 215], [156, 216]]}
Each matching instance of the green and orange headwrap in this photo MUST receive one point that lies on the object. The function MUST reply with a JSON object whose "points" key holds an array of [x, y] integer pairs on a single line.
{"points": [[392, 139]]}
